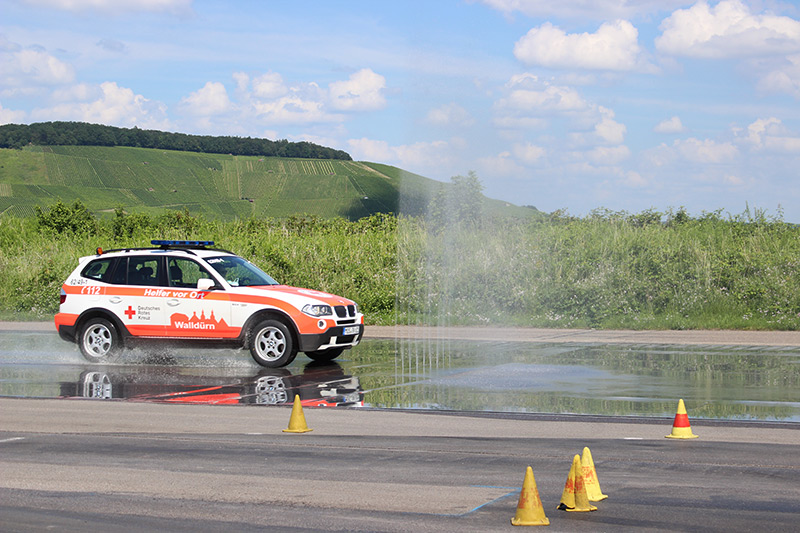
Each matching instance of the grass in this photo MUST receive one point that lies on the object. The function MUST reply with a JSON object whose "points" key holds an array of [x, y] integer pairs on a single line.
{"points": [[606, 270], [217, 186]]}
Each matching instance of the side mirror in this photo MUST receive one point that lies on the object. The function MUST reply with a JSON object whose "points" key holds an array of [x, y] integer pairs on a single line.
{"points": [[205, 284]]}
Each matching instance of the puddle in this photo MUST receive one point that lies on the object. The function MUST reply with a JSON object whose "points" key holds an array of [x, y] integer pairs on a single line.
{"points": [[750, 383]]}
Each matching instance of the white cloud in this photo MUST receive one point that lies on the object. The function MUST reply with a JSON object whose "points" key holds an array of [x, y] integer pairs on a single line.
{"points": [[633, 179], [432, 158], [613, 47], [529, 154], [212, 99], [293, 109], [583, 9], [726, 30], [758, 130], [114, 105], [789, 145], [117, 6], [608, 129], [269, 85], [450, 114], [783, 78], [362, 92], [608, 155], [670, 125], [21, 68], [501, 164], [550, 99], [706, 151], [770, 135], [10, 116], [371, 150]]}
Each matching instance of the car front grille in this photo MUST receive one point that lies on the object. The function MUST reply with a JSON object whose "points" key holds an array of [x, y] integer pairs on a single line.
{"points": [[343, 312]]}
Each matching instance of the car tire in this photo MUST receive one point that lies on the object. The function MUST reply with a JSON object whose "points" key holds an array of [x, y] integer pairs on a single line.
{"points": [[325, 355], [98, 340], [271, 344]]}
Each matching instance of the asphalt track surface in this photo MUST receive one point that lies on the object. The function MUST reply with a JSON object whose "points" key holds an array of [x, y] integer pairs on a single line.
{"points": [[78, 465]]}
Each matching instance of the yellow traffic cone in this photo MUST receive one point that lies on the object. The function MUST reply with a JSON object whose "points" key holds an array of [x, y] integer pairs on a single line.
{"points": [[297, 422], [574, 497], [681, 429], [529, 509], [590, 477]]}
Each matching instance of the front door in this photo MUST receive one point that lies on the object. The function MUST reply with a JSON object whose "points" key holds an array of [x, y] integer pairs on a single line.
{"points": [[194, 313]]}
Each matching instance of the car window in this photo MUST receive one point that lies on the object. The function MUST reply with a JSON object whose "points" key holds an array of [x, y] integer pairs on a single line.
{"points": [[239, 272], [100, 269], [185, 272], [144, 271]]}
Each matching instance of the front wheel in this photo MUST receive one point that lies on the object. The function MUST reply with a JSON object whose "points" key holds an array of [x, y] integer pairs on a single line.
{"points": [[98, 340], [325, 355], [271, 344]]}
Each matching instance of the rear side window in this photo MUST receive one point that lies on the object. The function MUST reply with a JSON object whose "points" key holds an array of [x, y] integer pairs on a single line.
{"points": [[139, 270], [100, 269], [144, 271]]}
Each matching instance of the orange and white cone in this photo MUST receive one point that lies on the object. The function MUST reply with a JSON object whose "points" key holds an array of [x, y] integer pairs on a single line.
{"points": [[590, 477], [681, 429], [529, 509], [574, 497], [297, 422]]}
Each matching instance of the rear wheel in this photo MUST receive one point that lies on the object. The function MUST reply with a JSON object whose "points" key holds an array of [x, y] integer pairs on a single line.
{"points": [[271, 344], [325, 355], [98, 340]]}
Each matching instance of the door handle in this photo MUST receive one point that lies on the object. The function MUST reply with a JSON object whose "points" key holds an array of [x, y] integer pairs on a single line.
{"points": [[115, 299], [172, 302]]}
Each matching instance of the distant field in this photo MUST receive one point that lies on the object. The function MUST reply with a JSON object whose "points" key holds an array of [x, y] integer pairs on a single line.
{"points": [[213, 185]]}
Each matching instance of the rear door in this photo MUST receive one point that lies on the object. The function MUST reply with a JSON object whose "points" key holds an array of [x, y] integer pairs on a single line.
{"points": [[139, 294]]}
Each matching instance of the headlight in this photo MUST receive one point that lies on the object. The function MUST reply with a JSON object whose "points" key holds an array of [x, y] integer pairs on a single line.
{"points": [[317, 310]]}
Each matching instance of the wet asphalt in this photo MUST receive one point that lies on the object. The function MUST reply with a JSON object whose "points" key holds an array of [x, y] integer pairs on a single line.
{"points": [[76, 465]]}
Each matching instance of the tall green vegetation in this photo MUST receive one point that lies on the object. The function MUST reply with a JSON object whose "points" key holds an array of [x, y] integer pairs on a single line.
{"points": [[606, 270]]}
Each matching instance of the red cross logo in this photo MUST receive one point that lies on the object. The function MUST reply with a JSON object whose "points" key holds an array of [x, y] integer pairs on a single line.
{"points": [[130, 312]]}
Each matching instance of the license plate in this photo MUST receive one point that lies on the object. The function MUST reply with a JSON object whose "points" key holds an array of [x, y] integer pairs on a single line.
{"points": [[350, 330]]}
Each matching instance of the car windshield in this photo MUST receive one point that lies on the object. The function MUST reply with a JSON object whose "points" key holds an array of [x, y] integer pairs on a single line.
{"points": [[239, 272]]}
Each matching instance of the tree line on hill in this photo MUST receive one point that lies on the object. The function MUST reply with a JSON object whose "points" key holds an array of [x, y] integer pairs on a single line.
{"points": [[85, 134]]}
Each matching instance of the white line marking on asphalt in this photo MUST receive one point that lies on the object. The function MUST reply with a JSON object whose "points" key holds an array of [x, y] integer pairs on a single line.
{"points": [[11, 439]]}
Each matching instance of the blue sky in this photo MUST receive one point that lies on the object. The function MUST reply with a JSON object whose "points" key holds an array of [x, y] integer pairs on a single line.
{"points": [[576, 105]]}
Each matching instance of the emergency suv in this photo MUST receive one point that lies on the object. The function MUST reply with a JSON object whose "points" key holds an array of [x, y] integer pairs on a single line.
{"points": [[190, 292]]}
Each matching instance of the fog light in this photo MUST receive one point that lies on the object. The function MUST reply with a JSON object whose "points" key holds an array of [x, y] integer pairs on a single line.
{"points": [[321, 324]]}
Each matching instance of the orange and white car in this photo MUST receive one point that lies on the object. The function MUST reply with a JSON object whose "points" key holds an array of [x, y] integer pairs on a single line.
{"points": [[186, 291]]}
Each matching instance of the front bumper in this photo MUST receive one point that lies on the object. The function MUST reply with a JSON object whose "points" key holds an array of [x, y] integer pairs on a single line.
{"points": [[332, 338]]}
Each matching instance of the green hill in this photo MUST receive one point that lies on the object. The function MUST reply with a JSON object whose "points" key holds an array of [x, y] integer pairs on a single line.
{"points": [[214, 185]]}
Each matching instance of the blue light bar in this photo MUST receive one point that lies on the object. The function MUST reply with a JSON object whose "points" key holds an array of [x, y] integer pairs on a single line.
{"points": [[156, 242]]}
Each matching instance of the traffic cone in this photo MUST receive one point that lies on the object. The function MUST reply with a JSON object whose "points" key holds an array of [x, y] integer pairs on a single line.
{"points": [[574, 497], [681, 428], [529, 509], [590, 477], [297, 422]]}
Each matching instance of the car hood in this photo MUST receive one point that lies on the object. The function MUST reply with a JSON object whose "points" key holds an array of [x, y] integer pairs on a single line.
{"points": [[308, 294]]}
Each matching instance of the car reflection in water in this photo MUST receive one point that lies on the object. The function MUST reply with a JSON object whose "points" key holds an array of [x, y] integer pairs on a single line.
{"points": [[319, 385]]}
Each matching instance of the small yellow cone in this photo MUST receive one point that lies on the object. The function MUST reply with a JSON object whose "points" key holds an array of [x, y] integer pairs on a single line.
{"points": [[590, 477], [529, 509], [297, 422], [681, 429], [574, 497]]}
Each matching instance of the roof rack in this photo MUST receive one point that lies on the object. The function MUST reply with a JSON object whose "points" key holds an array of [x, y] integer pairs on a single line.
{"points": [[163, 244], [181, 244]]}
